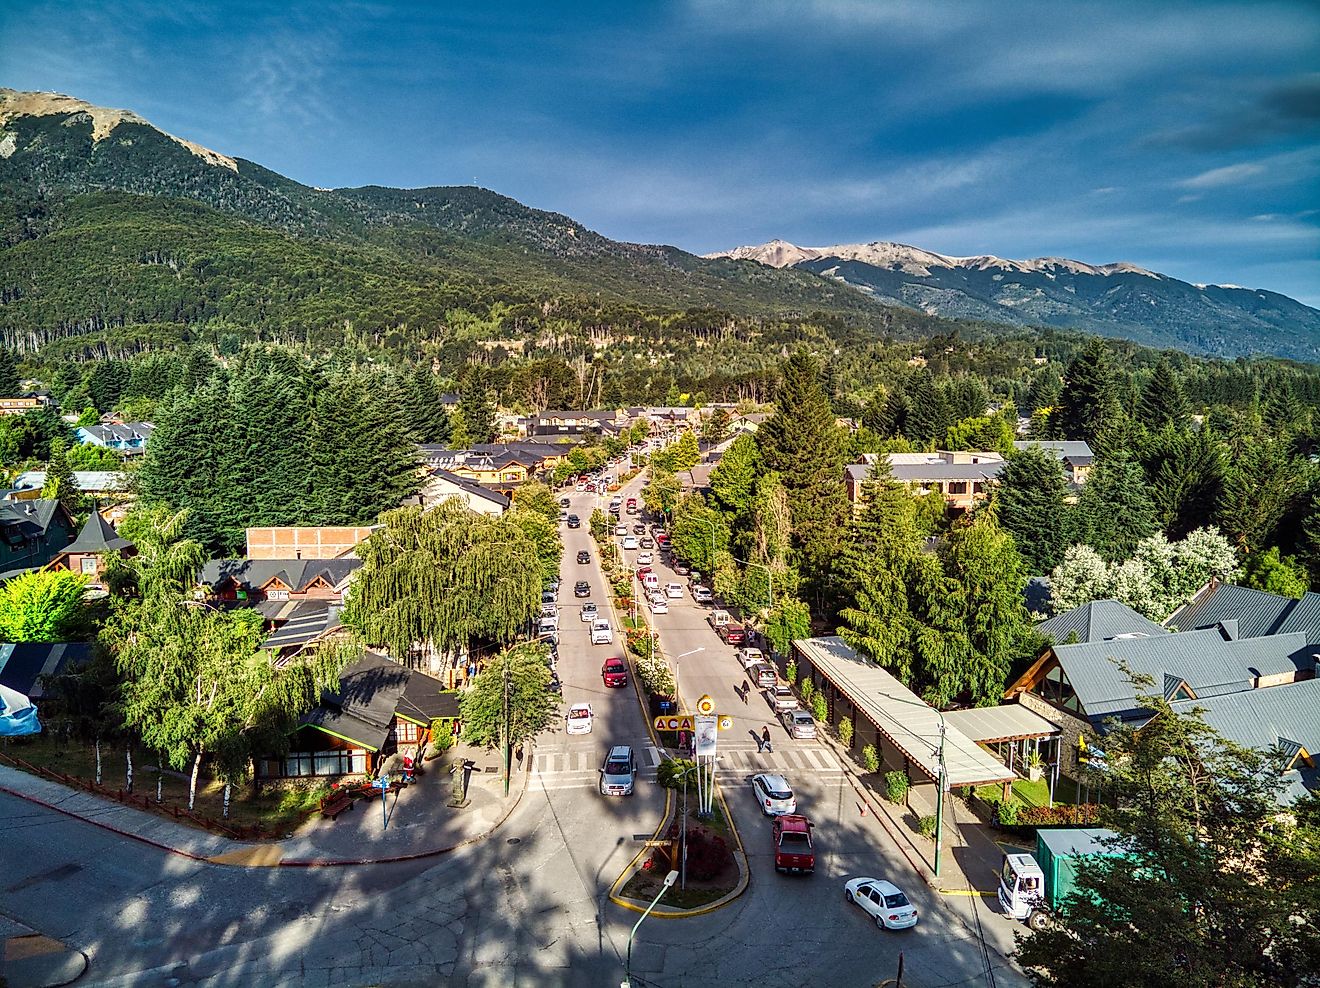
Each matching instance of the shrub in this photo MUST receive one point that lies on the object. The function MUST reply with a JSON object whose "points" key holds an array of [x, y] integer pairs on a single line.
{"points": [[896, 787], [1063, 814], [442, 740], [966, 793], [1006, 813], [871, 758], [806, 692], [926, 827], [707, 855], [820, 709], [673, 774], [846, 732], [790, 673]]}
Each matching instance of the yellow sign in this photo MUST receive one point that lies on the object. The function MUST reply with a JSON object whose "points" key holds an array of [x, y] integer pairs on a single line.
{"points": [[705, 706], [726, 722], [673, 723]]}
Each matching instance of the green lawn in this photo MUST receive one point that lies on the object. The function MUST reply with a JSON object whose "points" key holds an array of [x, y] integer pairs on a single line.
{"points": [[1035, 793]]}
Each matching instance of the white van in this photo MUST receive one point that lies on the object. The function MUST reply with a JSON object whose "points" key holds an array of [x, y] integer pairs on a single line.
{"points": [[601, 632]]}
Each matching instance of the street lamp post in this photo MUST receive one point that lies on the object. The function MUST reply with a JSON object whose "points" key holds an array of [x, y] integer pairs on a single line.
{"points": [[670, 879], [682, 853], [508, 743], [678, 695], [939, 795]]}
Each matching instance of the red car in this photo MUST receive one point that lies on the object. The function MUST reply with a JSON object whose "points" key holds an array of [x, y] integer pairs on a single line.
{"points": [[791, 835], [614, 672]]}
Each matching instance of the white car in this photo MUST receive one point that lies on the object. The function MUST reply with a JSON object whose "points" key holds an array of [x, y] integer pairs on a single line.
{"points": [[674, 591], [601, 632], [579, 487], [749, 657], [645, 558], [702, 595], [781, 698], [579, 719], [588, 612], [773, 794], [630, 541], [883, 901], [659, 605], [621, 530]]}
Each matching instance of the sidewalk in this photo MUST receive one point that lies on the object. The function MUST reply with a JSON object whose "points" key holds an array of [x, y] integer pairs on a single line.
{"points": [[28, 959], [416, 822]]}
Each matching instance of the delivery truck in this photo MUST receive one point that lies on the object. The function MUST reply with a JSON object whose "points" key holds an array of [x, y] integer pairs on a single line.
{"points": [[1032, 888]]}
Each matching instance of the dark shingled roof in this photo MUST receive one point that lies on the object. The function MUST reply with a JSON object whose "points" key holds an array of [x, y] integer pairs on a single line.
{"points": [[308, 621], [297, 574], [372, 691], [98, 535]]}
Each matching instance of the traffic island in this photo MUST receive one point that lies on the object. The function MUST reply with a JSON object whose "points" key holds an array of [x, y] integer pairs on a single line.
{"points": [[717, 866]]}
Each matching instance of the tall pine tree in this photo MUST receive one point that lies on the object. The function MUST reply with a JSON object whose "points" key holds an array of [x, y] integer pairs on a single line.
{"points": [[9, 382], [1115, 510], [1031, 501], [1089, 404], [1163, 402]]}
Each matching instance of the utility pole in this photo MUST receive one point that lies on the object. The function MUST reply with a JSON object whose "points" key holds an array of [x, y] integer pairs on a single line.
{"points": [[508, 743]]}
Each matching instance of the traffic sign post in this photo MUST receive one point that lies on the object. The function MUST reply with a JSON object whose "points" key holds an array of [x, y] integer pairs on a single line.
{"points": [[383, 784]]}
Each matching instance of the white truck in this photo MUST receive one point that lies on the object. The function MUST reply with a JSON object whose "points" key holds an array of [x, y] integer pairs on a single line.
{"points": [[601, 632]]}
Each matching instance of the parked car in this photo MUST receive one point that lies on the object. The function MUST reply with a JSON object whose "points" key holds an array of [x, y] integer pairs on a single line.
{"points": [[750, 657], [579, 719], [582, 589], [549, 596], [799, 724], [574, 521], [601, 632], [614, 672], [658, 605], [883, 901], [648, 542], [781, 698], [794, 851], [630, 542], [718, 618], [646, 557], [579, 487], [620, 530], [662, 539], [563, 517], [588, 612], [583, 556], [764, 676], [733, 634], [639, 529], [651, 581], [773, 794], [680, 568], [550, 610], [618, 772], [702, 595]]}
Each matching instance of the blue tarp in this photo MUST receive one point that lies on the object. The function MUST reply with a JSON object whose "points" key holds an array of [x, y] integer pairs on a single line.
{"points": [[17, 714]]}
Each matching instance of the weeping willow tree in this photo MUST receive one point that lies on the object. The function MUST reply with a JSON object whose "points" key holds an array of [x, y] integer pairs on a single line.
{"points": [[441, 577]]}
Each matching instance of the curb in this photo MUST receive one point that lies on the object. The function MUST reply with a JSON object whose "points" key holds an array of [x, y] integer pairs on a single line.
{"points": [[282, 863]]}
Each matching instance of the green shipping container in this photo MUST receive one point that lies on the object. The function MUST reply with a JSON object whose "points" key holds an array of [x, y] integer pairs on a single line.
{"points": [[1057, 852]]}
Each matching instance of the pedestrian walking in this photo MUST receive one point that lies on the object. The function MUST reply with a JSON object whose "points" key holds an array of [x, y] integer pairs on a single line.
{"points": [[765, 739]]}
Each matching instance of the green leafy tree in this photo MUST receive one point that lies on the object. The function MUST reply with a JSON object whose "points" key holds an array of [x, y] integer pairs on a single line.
{"points": [[544, 535], [1116, 511], [1031, 502], [1088, 403], [1185, 905], [734, 479], [1163, 402], [685, 453], [662, 492], [86, 456], [789, 621], [716, 427], [800, 441], [166, 560], [9, 382], [41, 606], [61, 484], [510, 701], [476, 407], [698, 534], [981, 432], [536, 496], [1268, 571], [438, 578]]}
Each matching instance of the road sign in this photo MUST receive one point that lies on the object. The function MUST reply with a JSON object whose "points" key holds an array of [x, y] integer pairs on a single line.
{"points": [[726, 722], [683, 723], [705, 705]]}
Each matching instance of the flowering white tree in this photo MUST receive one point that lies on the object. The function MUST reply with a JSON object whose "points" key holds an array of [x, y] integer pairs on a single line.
{"points": [[1159, 577]]}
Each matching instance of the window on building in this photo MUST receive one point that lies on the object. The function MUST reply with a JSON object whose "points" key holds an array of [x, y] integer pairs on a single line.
{"points": [[333, 762], [1055, 688], [957, 487], [88, 565]]}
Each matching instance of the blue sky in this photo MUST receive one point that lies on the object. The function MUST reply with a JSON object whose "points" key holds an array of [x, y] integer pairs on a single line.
{"points": [[1184, 137]]}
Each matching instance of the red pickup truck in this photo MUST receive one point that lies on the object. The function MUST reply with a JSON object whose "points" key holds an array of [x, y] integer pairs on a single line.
{"points": [[791, 835]]}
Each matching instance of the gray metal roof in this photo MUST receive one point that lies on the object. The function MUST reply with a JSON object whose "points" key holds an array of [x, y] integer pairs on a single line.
{"points": [[1209, 664], [1099, 620], [1080, 841], [472, 487], [1065, 449], [1287, 716], [1304, 616], [308, 621], [1256, 612], [1007, 722], [914, 472], [910, 724]]}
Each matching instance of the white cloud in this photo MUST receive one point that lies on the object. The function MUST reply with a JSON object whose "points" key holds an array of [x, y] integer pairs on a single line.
{"points": [[1217, 178]]}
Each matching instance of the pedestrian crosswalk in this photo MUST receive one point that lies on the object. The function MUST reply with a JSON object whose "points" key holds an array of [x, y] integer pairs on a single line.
{"points": [[579, 768]]}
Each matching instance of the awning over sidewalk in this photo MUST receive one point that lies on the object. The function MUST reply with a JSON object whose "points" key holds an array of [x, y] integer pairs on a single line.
{"points": [[908, 722], [1009, 722]]}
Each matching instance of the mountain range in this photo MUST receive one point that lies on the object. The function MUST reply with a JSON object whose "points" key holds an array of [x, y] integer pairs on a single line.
{"points": [[95, 202], [1118, 299]]}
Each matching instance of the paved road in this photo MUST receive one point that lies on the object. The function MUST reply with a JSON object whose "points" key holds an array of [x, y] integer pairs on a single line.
{"points": [[528, 907]]}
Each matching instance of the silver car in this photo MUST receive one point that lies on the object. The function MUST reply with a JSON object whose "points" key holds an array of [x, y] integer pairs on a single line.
{"points": [[782, 698], [799, 724], [618, 772], [773, 794]]}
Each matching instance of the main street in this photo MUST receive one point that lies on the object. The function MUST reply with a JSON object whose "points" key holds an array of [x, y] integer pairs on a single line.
{"points": [[529, 906]]}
